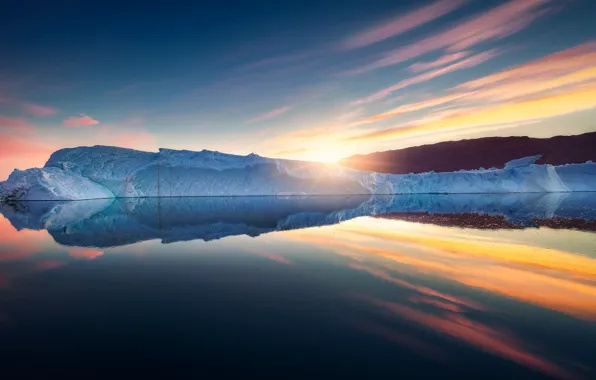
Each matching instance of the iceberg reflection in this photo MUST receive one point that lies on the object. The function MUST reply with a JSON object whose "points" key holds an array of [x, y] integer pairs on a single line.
{"points": [[108, 222]]}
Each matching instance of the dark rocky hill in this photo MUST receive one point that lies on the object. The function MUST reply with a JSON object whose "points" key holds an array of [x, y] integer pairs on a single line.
{"points": [[477, 153]]}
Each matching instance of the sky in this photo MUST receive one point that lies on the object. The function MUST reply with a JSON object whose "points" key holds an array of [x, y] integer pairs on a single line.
{"points": [[310, 80]]}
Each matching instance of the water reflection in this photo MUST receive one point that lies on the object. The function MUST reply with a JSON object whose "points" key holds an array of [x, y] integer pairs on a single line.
{"points": [[106, 223], [404, 286]]}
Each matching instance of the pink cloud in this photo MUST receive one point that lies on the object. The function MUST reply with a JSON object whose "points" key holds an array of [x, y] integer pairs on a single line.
{"points": [[489, 339], [77, 121], [555, 71], [547, 68], [403, 23], [270, 114], [14, 124], [466, 63], [497, 23], [21, 153], [442, 61], [37, 110]]}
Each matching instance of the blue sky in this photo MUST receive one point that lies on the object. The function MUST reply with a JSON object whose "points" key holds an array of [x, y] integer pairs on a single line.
{"points": [[308, 80]]}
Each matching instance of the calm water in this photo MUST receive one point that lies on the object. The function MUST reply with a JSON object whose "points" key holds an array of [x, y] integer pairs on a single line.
{"points": [[385, 287]]}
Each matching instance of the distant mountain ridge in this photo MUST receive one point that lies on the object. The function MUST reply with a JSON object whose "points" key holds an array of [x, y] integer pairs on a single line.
{"points": [[477, 153]]}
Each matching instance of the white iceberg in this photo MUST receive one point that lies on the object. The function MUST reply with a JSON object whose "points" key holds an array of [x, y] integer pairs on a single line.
{"points": [[51, 184], [520, 162], [110, 172]]}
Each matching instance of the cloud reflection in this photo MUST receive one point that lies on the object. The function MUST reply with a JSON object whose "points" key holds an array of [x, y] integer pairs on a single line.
{"points": [[486, 338], [549, 278]]}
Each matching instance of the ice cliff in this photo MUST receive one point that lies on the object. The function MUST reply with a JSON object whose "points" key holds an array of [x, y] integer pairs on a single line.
{"points": [[108, 172]]}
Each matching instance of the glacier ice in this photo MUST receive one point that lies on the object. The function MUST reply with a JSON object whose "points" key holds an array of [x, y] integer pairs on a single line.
{"points": [[520, 162], [51, 183], [578, 177], [108, 172]]}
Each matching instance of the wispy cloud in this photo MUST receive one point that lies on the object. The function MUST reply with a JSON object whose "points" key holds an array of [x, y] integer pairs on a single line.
{"points": [[402, 24], [11, 124], [270, 114], [19, 148], [556, 71], [466, 63], [291, 152], [441, 61], [541, 108], [489, 339], [21, 152], [29, 108], [78, 121], [278, 60], [495, 24], [38, 110]]}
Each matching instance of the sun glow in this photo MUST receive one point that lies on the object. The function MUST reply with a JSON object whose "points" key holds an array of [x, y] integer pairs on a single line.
{"points": [[320, 155]]}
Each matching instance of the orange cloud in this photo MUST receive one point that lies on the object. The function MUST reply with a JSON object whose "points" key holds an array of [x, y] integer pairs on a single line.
{"points": [[563, 75], [553, 279], [84, 253], [291, 152], [549, 278], [77, 121], [558, 104], [403, 23], [546, 68], [494, 24]]}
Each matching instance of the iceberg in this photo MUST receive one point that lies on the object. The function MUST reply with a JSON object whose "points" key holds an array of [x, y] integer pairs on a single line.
{"points": [[111, 172]]}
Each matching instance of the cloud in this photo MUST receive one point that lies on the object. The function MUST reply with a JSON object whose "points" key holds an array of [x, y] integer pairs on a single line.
{"points": [[411, 107], [441, 61], [557, 75], [555, 70], [10, 124], [268, 255], [270, 114], [291, 152], [540, 108], [77, 121], [273, 61], [499, 267], [19, 148], [465, 329], [466, 63], [21, 152], [38, 110], [495, 24], [402, 24], [84, 253]]}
